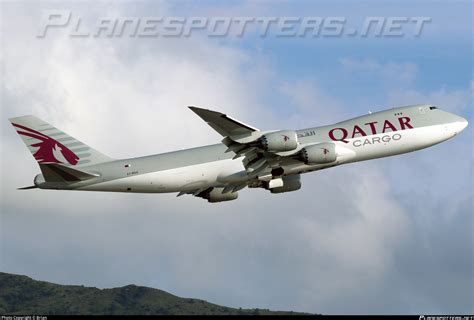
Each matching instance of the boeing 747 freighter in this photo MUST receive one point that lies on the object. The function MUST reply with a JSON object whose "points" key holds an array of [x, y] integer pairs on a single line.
{"points": [[246, 156]]}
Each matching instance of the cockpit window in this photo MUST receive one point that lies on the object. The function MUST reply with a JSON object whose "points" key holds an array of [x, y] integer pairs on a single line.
{"points": [[433, 108]]}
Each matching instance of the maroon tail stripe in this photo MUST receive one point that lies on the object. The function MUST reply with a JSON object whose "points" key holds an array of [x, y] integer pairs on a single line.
{"points": [[30, 130]]}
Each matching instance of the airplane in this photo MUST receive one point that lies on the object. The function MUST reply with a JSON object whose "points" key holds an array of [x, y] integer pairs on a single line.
{"points": [[246, 156]]}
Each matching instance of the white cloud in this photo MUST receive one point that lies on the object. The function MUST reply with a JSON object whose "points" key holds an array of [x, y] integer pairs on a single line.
{"points": [[141, 100]]}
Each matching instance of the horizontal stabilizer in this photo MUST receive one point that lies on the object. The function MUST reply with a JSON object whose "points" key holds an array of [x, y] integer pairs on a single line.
{"points": [[28, 188], [54, 172]]}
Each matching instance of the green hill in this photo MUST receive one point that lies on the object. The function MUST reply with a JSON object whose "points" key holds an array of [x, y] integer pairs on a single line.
{"points": [[23, 295]]}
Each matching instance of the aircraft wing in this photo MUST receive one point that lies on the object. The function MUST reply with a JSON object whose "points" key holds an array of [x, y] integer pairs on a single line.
{"points": [[242, 140], [223, 124], [230, 188]]}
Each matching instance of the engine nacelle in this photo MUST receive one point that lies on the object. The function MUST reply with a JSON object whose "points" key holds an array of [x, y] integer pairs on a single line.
{"points": [[216, 195], [278, 141], [290, 183], [320, 153]]}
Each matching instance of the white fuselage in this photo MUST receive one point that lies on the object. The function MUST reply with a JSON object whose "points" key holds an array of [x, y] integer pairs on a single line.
{"points": [[225, 170]]}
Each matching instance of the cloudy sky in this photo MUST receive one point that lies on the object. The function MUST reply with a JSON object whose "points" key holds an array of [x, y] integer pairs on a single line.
{"points": [[391, 235]]}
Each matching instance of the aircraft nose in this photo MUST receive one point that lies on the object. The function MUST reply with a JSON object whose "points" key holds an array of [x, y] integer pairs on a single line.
{"points": [[455, 124], [461, 124]]}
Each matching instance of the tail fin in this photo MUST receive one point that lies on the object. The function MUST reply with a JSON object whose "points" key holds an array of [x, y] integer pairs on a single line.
{"points": [[51, 145]]}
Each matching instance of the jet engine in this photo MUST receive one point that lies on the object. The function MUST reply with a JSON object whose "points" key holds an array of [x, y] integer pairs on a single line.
{"points": [[278, 141], [290, 183], [320, 153], [216, 195]]}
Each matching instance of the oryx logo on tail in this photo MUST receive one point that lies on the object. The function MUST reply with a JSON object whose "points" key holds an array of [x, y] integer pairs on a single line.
{"points": [[49, 149]]}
